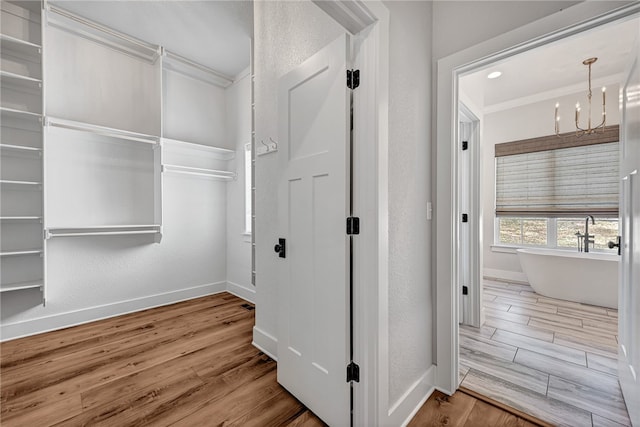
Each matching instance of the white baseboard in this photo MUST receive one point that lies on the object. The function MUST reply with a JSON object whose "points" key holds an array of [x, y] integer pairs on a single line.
{"points": [[512, 276], [266, 343], [90, 314], [247, 293], [405, 408]]}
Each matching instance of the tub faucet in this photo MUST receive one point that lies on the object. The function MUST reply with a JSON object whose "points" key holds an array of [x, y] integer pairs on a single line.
{"points": [[588, 237]]}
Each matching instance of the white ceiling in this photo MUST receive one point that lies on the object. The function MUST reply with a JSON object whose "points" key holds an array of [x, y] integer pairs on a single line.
{"points": [[555, 69], [213, 33]]}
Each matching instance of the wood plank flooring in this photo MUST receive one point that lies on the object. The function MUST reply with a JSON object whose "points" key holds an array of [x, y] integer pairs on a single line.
{"points": [[463, 409], [550, 358], [190, 363]]}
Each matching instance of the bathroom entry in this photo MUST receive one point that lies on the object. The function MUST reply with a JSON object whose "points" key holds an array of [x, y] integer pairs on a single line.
{"points": [[526, 333]]}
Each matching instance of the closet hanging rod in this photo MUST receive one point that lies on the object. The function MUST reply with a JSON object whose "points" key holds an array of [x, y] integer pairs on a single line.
{"points": [[91, 30], [102, 233], [102, 130]]}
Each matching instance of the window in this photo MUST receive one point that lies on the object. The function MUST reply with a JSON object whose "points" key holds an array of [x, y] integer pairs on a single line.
{"points": [[545, 187], [523, 231], [554, 232], [247, 188]]}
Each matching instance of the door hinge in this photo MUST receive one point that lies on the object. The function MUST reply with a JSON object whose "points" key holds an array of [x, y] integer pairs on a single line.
{"points": [[353, 225], [465, 145], [353, 372], [465, 290], [353, 79], [465, 218]]}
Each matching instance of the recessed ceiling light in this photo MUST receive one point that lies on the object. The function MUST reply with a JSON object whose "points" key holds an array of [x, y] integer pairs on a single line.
{"points": [[494, 75]]}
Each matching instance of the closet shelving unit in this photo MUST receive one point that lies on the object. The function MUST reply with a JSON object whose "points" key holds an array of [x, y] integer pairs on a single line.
{"points": [[90, 144], [188, 158], [182, 153], [22, 249], [111, 186], [90, 30]]}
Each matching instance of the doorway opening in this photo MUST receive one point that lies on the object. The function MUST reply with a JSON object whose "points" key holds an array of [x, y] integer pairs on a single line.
{"points": [[540, 349]]}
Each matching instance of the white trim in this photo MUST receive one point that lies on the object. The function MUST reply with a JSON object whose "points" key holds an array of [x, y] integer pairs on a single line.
{"points": [[509, 276], [243, 292], [574, 20], [408, 405], [353, 15], [504, 249], [9, 331], [265, 342]]}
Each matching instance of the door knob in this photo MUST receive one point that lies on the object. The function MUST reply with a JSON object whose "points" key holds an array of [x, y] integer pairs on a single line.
{"points": [[281, 248], [612, 245]]}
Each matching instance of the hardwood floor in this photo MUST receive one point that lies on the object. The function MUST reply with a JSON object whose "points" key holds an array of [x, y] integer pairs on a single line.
{"points": [[551, 358], [186, 364], [463, 409]]}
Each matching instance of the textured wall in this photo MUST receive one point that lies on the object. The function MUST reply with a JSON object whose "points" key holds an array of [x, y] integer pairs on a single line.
{"points": [[410, 288], [458, 25]]}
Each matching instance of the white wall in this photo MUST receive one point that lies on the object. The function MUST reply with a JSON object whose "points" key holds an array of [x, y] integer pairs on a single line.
{"points": [[238, 99], [195, 111], [523, 122], [410, 288], [460, 24]]}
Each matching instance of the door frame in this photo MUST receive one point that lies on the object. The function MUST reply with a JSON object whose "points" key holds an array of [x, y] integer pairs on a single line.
{"points": [[574, 20], [471, 306], [368, 23]]}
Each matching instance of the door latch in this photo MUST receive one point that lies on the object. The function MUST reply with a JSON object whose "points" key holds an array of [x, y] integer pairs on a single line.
{"points": [[281, 248]]}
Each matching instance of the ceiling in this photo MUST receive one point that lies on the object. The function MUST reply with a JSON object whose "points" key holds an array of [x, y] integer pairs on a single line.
{"points": [[214, 33], [555, 69]]}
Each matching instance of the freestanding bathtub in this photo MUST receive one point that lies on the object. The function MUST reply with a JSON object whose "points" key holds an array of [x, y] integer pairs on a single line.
{"points": [[590, 278]]}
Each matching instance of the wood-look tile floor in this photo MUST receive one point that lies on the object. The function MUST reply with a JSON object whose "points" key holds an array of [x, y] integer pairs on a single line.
{"points": [[550, 358], [186, 364]]}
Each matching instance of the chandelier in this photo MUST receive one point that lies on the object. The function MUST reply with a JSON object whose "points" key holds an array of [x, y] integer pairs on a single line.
{"points": [[589, 129]]}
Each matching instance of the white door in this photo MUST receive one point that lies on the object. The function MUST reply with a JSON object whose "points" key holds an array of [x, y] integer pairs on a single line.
{"points": [[313, 328], [629, 301]]}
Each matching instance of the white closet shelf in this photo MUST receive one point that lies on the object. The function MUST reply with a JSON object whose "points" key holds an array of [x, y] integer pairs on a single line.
{"points": [[209, 173], [21, 285], [179, 64], [102, 230], [20, 82], [216, 152], [102, 130], [28, 183], [19, 148], [19, 114], [91, 30], [22, 252], [13, 44], [20, 218]]}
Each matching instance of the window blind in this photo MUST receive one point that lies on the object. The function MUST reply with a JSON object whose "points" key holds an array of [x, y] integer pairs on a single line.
{"points": [[559, 182]]}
